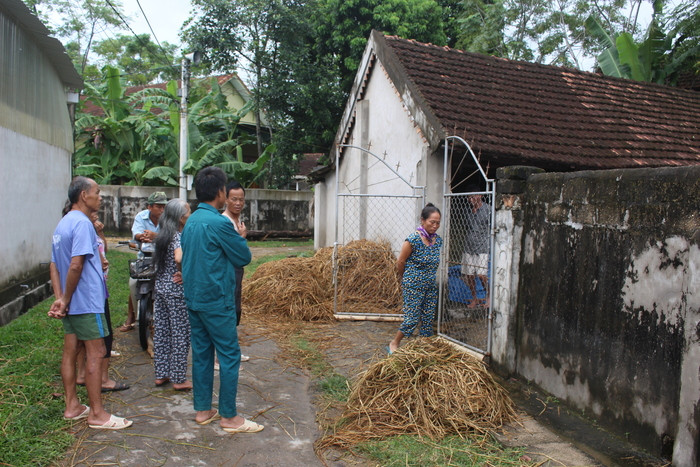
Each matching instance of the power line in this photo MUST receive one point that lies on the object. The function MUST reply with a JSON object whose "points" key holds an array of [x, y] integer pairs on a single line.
{"points": [[151, 28], [145, 45]]}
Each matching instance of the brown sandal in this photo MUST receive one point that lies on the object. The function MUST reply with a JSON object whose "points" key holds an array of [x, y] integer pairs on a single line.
{"points": [[126, 327]]}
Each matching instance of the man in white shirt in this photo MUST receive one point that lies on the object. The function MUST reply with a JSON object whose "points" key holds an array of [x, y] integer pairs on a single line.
{"points": [[235, 202]]}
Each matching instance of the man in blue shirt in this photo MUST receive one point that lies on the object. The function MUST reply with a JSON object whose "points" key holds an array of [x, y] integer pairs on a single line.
{"points": [[77, 280], [212, 249], [144, 231]]}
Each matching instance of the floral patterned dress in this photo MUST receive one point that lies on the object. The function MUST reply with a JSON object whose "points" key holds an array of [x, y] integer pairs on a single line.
{"points": [[419, 285]]}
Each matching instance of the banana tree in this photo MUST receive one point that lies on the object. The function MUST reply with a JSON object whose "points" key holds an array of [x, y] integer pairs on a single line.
{"points": [[136, 139], [656, 59]]}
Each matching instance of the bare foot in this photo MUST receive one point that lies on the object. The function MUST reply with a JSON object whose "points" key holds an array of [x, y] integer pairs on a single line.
{"points": [[182, 386]]}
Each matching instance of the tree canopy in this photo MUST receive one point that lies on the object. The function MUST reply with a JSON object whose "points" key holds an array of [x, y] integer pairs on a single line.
{"points": [[300, 56]]}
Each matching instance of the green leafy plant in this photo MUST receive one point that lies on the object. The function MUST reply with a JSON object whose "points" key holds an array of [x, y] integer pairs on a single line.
{"points": [[660, 56]]}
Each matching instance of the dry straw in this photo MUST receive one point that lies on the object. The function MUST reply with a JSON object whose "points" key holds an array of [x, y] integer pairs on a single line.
{"points": [[302, 288], [427, 388]]}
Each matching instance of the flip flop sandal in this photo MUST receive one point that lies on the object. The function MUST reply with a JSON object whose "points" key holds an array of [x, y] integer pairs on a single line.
{"points": [[119, 386], [114, 423], [82, 414], [216, 416], [247, 427], [126, 327]]}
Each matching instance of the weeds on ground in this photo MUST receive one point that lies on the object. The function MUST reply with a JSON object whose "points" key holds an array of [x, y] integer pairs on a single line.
{"points": [[282, 243], [31, 411], [333, 385], [31, 391], [406, 450]]}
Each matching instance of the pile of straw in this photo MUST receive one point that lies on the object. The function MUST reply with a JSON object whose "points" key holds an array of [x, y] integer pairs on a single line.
{"points": [[428, 388], [302, 288]]}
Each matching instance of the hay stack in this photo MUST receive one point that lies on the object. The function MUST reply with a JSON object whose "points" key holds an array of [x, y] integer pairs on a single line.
{"points": [[302, 288], [367, 280], [428, 388]]}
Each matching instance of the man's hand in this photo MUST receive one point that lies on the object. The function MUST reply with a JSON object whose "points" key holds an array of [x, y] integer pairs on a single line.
{"points": [[58, 309], [147, 236], [242, 230]]}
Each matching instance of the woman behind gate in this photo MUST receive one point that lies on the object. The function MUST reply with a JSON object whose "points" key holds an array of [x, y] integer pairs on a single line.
{"points": [[417, 267]]}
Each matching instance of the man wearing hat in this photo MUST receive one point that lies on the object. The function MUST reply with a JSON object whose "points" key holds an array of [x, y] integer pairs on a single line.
{"points": [[144, 230]]}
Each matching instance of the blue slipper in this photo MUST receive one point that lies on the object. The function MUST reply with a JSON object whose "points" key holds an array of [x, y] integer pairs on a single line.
{"points": [[388, 350]]}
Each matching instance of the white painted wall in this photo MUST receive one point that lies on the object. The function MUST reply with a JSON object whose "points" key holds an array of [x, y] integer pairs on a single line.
{"points": [[392, 135], [34, 178], [506, 261]]}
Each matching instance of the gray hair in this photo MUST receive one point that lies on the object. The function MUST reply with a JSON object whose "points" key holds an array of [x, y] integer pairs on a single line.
{"points": [[168, 225], [77, 186]]}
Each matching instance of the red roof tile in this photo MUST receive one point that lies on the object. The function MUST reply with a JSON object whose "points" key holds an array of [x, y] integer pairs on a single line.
{"points": [[308, 163], [557, 118]]}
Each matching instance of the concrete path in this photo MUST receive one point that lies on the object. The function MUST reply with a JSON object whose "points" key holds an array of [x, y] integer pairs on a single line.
{"points": [[165, 433]]}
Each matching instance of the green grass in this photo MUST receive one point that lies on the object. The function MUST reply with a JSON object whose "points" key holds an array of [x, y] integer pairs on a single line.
{"points": [[32, 429], [31, 401], [406, 450], [281, 243], [332, 384]]}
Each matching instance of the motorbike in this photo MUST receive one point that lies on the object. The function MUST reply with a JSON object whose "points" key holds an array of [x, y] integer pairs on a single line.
{"points": [[143, 270]]}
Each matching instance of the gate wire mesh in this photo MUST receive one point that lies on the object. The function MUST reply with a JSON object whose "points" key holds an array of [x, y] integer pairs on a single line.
{"points": [[464, 308], [386, 221]]}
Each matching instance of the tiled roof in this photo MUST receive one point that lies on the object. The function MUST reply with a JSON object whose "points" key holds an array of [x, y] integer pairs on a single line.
{"points": [[308, 163], [515, 112]]}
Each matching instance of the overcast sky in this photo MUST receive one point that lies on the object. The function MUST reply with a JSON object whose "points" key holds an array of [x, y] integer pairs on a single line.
{"points": [[166, 17]]}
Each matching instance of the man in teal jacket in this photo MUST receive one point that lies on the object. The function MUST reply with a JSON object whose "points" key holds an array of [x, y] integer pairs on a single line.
{"points": [[211, 250]]}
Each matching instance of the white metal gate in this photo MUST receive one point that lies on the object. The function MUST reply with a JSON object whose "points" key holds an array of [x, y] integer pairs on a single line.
{"points": [[464, 305], [383, 219]]}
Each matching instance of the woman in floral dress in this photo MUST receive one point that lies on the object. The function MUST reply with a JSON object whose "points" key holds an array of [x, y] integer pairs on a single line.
{"points": [[417, 266], [171, 339]]}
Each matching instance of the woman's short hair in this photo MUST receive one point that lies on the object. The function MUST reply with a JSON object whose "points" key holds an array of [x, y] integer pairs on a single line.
{"points": [[428, 210]]}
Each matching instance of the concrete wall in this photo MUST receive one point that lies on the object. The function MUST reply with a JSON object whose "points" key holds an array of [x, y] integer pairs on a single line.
{"points": [[34, 178], [265, 212], [383, 125], [597, 298]]}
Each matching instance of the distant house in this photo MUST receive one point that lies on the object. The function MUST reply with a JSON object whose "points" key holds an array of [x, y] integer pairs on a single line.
{"points": [[38, 91], [237, 95], [308, 163], [408, 96]]}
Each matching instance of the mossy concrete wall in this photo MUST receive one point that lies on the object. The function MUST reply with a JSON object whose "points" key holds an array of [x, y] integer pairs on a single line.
{"points": [[608, 300], [266, 211]]}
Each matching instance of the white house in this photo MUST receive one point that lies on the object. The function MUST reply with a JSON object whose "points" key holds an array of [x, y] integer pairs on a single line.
{"points": [[408, 97], [38, 89]]}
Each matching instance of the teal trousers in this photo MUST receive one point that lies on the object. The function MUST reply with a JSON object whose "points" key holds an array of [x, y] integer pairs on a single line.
{"points": [[215, 330]]}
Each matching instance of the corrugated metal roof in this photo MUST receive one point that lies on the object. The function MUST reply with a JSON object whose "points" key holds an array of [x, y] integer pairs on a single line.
{"points": [[52, 48]]}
